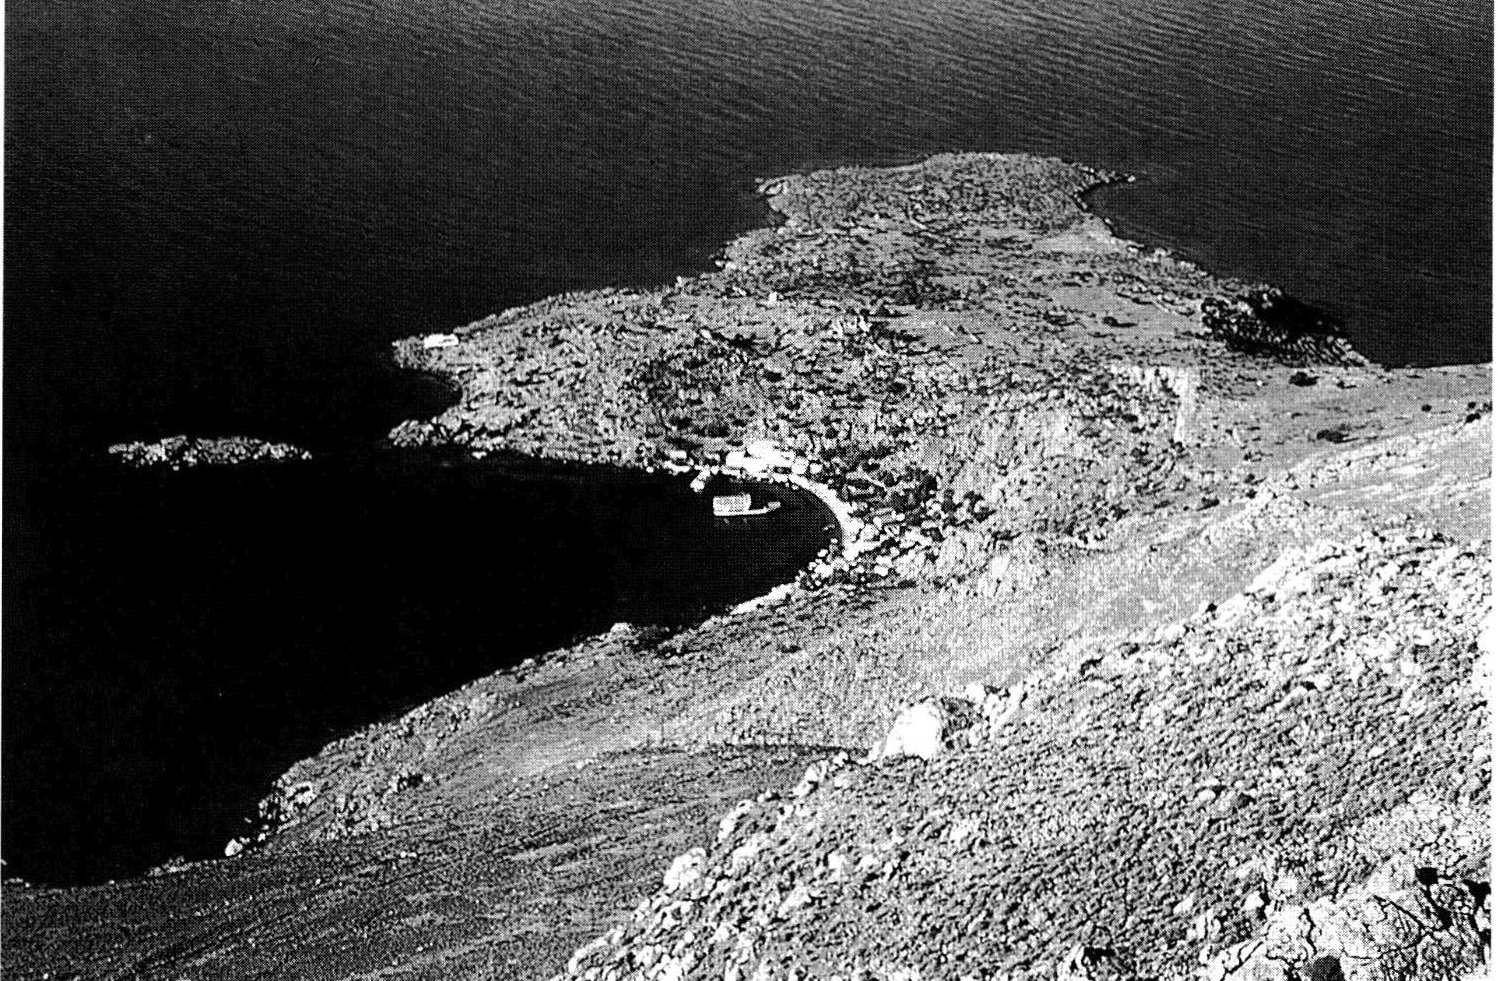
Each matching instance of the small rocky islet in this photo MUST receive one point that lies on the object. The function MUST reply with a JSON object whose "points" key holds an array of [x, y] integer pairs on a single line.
{"points": [[1153, 647], [179, 452]]}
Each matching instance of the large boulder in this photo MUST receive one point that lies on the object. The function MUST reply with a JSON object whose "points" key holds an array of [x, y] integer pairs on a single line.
{"points": [[685, 870], [920, 731]]}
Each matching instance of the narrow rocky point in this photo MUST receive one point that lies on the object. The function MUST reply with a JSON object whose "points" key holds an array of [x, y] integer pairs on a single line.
{"points": [[1154, 646]]}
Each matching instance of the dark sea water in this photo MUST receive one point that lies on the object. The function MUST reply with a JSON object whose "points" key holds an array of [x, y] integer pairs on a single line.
{"points": [[162, 671], [218, 214]]}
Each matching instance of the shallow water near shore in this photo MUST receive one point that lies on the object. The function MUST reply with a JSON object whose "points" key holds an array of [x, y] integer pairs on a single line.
{"points": [[195, 633]]}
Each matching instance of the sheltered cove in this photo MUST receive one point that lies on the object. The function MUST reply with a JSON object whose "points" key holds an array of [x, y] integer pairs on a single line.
{"points": [[1190, 594]]}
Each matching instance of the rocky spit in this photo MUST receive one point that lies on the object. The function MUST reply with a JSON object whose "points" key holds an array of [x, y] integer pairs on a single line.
{"points": [[1154, 646]]}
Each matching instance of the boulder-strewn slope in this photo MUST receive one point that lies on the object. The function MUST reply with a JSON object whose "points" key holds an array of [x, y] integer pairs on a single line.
{"points": [[1175, 600], [1149, 800]]}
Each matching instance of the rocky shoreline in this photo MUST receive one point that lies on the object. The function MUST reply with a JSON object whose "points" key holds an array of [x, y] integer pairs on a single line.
{"points": [[1158, 605]]}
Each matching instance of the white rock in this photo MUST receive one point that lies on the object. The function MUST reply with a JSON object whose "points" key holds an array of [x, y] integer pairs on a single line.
{"points": [[1202, 927], [999, 707], [1482, 672], [798, 898], [234, 847], [668, 969], [439, 340], [685, 870], [1320, 680], [975, 693], [964, 828], [815, 774], [1170, 633], [1385, 883], [1267, 581], [1232, 608], [744, 855], [998, 568], [1487, 640], [917, 732], [731, 820]]}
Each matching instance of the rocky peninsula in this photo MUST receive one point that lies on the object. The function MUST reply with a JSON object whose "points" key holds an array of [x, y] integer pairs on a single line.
{"points": [[1153, 645]]}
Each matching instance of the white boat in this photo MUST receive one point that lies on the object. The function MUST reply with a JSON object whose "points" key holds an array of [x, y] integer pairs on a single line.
{"points": [[740, 506]]}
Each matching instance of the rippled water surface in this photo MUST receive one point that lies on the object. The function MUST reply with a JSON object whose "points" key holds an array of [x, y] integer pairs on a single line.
{"points": [[211, 208]]}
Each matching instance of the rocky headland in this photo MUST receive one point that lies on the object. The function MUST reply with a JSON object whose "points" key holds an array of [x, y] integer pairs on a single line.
{"points": [[1153, 645]]}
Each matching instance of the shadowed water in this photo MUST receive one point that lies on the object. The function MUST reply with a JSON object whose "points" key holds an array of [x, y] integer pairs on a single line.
{"points": [[162, 671]]}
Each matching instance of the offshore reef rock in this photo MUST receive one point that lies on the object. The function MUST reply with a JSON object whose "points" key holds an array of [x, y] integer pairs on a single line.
{"points": [[189, 451], [1269, 322]]}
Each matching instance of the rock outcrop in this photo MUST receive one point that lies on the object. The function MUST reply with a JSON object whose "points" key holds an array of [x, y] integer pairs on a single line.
{"points": [[178, 452], [1268, 322]]}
